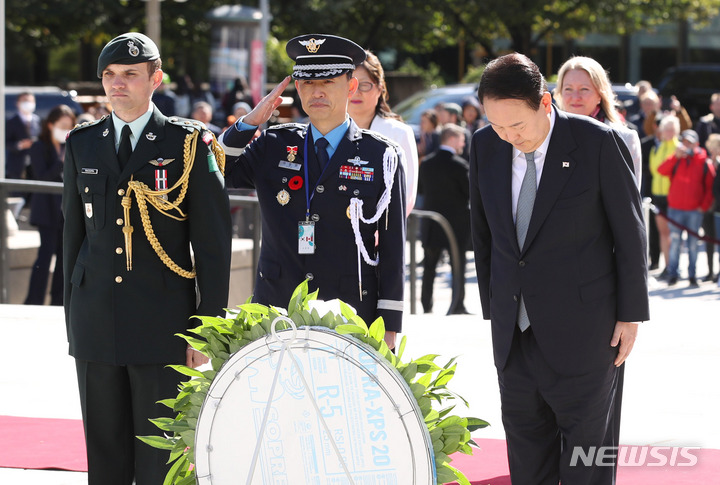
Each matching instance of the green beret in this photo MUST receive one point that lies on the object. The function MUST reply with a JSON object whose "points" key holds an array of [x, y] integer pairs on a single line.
{"points": [[130, 48]]}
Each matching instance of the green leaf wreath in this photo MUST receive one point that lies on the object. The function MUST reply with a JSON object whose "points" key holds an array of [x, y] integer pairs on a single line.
{"points": [[219, 338]]}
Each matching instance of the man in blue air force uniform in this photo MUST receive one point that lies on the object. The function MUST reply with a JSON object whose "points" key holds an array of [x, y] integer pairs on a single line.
{"points": [[332, 195], [140, 190]]}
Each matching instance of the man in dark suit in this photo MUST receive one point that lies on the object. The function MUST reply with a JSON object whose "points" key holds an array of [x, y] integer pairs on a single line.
{"points": [[332, 195], [443, 182], [140, 190], [560, 253], [21, 131]]}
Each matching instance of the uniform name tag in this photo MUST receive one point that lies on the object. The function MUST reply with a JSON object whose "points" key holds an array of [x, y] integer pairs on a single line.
{"points": [[91, 171], [88, 210], [289, 165], [306, 237]]}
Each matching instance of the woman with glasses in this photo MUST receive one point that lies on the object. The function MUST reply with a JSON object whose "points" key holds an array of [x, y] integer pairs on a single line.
{"points": [[369, 109], [583, 88]]}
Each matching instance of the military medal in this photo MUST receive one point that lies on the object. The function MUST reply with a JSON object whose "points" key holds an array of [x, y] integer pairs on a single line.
{"points": [[283, 197], [291, 153], [160, 179], [353, 172]]}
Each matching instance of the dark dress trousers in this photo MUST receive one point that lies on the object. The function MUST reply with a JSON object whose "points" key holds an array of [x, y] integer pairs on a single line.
{"points": [[582, 269], [265, 166], [122, 323], [46, 215], [443, 182], [15, 130]]}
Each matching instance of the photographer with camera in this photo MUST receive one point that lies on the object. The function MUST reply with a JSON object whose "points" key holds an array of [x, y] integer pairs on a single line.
{"points": [[690, 195]]}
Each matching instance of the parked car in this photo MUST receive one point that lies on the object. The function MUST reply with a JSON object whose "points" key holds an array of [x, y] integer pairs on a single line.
{"points": [[693, 84], [46, 98], [411, 108]]}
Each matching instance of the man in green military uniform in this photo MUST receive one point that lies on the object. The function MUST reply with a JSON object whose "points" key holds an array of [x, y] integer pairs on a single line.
{"points": [[140, 190]]}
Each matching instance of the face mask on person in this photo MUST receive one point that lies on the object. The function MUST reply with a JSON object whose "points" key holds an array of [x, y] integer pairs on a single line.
{"points": [[59, 135], [26, 107]]}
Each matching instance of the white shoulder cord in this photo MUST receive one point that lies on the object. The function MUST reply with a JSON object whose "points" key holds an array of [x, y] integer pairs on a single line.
{"points": [[390, 164]]}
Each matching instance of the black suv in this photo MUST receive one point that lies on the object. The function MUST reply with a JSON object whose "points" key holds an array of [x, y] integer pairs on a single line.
{"points": [[693, 84]]}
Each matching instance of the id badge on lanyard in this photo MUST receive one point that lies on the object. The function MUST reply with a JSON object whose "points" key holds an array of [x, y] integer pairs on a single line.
{"points": [[306, 237]]}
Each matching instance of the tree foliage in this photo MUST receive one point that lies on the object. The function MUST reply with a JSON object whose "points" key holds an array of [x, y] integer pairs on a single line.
{"points": [[408, 27]]}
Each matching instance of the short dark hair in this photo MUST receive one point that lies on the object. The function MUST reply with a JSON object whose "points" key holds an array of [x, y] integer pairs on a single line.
{"points": [[513, 76]]}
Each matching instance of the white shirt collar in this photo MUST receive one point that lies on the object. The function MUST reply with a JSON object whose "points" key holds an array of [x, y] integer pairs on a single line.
{"points": [[136, 126]]}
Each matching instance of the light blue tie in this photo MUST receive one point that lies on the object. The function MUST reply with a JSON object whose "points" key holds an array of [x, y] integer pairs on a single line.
{"points": [[526, 201]]}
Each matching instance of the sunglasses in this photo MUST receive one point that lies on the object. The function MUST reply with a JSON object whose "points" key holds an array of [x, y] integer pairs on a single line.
{"points": [[365, 86]]}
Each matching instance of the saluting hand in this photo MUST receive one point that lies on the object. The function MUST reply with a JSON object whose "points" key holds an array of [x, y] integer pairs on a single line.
{"points": [[265, 108]]}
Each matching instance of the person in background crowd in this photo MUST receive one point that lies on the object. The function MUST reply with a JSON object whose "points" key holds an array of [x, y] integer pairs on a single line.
{"points": [[20, 132], [203, 112], [239, 93], [369, 109], [710, 123], [633, 106], [452, 113], [443, 183], [647, 144], [429, 133], [648, 103], [472, 114], [674, 107], [46, 157], [667, 141], [126, 298], [583, 88], [691, 179], [164, 98], [240, 109], [710, 218]]}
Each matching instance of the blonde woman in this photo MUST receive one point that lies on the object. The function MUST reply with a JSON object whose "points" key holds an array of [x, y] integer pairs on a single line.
{"points": [[583, 88]]}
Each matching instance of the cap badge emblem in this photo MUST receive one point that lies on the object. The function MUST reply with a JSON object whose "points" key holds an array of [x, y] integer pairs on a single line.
{"points": [[312, 45], [133, 49]]}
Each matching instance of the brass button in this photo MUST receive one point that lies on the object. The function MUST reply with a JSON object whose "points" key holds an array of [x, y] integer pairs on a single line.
{"points": [[309, 276], [119, 250], [320, 189], [521, 264], [121, 192], [87, 189], [356, 192], [119, 221], [315, 217], [118, 279]]}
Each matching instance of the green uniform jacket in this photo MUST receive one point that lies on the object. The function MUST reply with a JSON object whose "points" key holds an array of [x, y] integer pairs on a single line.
{"points": [[122, 317]]}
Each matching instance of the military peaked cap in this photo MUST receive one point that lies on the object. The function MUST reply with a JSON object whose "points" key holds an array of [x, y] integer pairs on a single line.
{"points": [[323, 56]]}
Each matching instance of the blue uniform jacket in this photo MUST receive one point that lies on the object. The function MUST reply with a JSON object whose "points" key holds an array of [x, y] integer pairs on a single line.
{"points": [[266, 166]]}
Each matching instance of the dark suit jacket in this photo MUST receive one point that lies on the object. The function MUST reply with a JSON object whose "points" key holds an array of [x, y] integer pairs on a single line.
{"points": [[333, 269], [583, 266], [16, 130], [443, 181], [118, 316], [46, 209]]}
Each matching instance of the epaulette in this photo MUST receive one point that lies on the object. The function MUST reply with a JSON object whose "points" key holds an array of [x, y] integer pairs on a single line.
{"points": [[299, 126], [187, 123], [379, 137], [87, 124]]}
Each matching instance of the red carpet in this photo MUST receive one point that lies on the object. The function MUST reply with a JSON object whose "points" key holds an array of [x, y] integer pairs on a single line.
{"points": [[488, 466], [59, 444], [42, 444]]}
